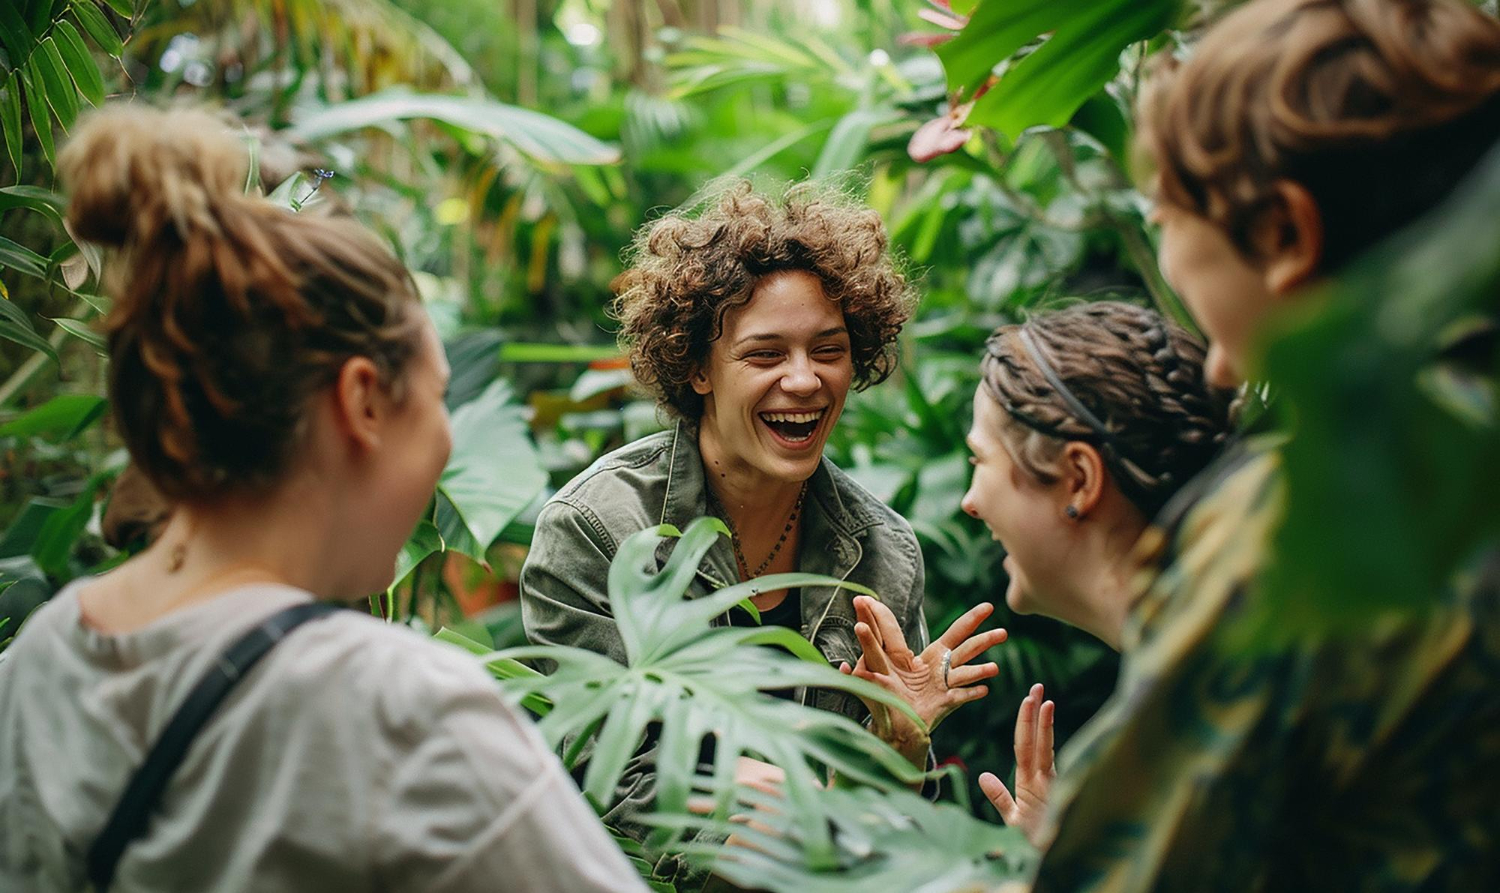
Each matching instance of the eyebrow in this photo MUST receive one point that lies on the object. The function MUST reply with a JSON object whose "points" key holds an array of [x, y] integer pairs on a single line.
{"points": [[772, 336]]}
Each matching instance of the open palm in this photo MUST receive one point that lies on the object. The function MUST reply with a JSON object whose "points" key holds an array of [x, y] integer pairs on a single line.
{"points": [[919, 679], [1035, 768]]}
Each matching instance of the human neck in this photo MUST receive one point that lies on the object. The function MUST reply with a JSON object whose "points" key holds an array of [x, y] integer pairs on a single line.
{"points": [[205, 551], [740, 487], [1104, 596]]}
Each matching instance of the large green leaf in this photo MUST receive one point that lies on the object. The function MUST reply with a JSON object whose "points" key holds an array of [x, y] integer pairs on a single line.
{"points": [[1048, 86], [36, 108], [48, 69], [15, 35], [494, 471], [98, 26], [54, 544], [534, 134], [424, 541], [59, 420], [44, 201], [22, 259], [1080, 52], [699, 681], [886, 840], [79, 63], [10, 119], [83, 332], [996, 30], [16, 326], [1391, 477], [21, 536]]}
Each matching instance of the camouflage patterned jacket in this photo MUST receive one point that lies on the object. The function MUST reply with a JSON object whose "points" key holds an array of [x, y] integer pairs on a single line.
{"points": [[1371, 762]]}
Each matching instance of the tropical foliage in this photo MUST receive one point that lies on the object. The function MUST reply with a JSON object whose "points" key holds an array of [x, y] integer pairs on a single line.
{"points": [[507, 152]]}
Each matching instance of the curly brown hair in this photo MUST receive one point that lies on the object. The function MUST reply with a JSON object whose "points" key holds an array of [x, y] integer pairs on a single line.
{"points": [[687, 270], [229, 312], [1135, 371], [1377, 107]]}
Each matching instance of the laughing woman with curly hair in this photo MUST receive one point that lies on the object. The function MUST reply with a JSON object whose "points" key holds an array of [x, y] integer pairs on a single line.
{"points": [[750, 321]]}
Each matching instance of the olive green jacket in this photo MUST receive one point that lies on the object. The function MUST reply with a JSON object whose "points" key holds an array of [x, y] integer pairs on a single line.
{"points": [[847, 533]]}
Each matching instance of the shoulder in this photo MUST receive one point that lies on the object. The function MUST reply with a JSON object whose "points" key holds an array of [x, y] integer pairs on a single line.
{"points": [[624, 465], [868, 517], [1211, 541], [352, 664], [615, 496]]}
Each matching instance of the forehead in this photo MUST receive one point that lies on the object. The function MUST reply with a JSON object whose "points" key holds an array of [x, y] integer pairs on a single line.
{"points": [[787, 303], [988, 415]]}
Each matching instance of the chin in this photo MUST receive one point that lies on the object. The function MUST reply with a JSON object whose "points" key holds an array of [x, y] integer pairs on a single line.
{"points": [[1017, 600]]}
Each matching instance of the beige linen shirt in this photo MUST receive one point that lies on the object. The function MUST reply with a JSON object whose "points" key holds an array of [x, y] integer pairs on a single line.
{"points": [[355, 756]]}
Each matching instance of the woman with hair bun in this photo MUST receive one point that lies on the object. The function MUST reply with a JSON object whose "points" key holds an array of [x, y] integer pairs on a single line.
{"points": [[276, 377]]}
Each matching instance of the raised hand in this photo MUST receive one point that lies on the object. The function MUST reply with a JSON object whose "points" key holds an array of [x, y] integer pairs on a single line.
{"points": [[1034, 768], [934, 688]]}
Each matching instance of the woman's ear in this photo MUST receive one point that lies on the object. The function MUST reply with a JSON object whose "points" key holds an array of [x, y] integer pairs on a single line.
{"points": [[360, 402], [1290, 238], [1083, 478], [700, 383]]}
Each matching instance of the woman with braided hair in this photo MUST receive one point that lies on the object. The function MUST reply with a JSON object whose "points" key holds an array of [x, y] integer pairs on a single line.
{"points": [[1087, 421]]}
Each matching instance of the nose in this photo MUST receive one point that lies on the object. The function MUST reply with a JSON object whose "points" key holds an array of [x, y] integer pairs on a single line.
{"points": [[970, 507], [800, 377]]}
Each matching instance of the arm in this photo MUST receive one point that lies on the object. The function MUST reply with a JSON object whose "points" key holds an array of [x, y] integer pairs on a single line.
{"points": [[564, 593]]}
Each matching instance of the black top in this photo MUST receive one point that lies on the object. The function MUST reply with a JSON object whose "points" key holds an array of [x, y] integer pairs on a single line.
{"points": [[787, 613]]}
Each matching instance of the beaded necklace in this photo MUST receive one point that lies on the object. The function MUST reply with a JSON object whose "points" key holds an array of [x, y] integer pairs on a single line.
{"points": [[734, 534]]}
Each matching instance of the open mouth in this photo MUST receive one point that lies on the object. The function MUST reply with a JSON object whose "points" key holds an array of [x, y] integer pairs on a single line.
{"points": [[793, 427]]}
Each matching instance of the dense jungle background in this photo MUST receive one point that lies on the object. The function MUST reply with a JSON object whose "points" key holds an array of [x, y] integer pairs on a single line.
{"points": [[509, 148]]}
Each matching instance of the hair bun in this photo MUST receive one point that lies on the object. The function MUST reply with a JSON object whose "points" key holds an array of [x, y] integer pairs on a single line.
{"points": [[134, 170]]}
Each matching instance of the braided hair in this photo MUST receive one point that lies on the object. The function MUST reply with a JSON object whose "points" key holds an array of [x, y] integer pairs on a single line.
{"points": [[1120, 377]]}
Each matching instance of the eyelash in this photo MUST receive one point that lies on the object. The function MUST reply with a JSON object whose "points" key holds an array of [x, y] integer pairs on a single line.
{"points": [[828, 351]]}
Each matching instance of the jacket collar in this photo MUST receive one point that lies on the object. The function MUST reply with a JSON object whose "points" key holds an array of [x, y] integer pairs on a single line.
{"points": [[838, 500], [834, 521]]}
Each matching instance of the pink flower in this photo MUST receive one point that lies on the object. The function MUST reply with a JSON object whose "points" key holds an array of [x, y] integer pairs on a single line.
{"points": [[937, 137]]}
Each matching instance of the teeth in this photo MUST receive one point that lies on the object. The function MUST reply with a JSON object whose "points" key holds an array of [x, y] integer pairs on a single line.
{"points": [[797, 417]]}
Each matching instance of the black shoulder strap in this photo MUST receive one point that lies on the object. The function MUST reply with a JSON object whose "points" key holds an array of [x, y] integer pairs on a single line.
{"points": [[131, 814]]}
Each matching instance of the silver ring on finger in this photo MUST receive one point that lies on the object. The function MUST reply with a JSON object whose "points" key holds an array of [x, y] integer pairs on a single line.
{"points": [[947, 665]]}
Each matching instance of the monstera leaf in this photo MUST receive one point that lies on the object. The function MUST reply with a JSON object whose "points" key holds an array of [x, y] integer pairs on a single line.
{"points": [[885, 840], [698, 682]]}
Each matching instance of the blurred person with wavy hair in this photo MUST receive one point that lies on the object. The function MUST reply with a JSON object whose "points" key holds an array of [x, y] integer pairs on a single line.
{"points": [[1297, 136]]}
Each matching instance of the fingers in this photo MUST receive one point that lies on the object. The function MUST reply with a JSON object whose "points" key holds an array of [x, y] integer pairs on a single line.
{"points": [[965, 695], [1044, 754], [972, 648], [999, 796], [874, 658], [964, 626], [1026, 718], [962, 676], [886, 627]]}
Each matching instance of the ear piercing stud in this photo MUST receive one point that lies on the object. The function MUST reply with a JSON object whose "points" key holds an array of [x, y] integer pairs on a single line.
{"points": [[1071, 511]]}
